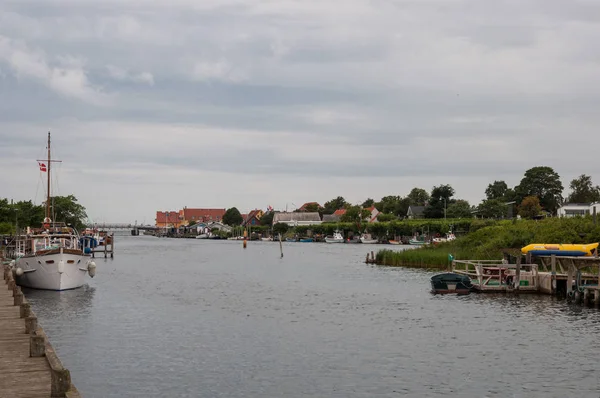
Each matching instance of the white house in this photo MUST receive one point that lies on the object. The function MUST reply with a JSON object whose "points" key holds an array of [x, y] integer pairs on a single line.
{"points": [[578, 209], [297, 218]]}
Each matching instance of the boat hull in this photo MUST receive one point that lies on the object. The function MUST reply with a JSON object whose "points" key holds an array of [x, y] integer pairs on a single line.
{"points": [[55, 271], [451, 283], [333, 240]]}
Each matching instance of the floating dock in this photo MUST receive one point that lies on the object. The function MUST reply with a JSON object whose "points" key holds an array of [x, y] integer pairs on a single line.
{"points": [[29, 366]]}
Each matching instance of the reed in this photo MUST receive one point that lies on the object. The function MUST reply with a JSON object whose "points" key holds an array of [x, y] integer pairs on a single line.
{"points": [[489, 242]]}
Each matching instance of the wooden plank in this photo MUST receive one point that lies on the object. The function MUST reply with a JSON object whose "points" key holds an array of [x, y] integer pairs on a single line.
{"points": [[21, 375]]}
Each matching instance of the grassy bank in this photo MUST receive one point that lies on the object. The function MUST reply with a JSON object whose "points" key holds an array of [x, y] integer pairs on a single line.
{"points": [[489, 242]]}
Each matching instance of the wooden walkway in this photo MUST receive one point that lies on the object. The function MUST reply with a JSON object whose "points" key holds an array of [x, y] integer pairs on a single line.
{"points": [[29, 366]]}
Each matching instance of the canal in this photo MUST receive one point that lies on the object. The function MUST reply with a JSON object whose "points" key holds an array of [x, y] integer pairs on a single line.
{"points": [[199, 318]]}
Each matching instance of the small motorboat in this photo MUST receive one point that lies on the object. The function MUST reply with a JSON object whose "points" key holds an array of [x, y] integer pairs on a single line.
{"points": [[393, 242], [367, 239], [306, 240], [450, 282], [336, 238]]}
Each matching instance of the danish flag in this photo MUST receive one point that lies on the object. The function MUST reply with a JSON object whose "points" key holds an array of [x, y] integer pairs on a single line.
{"points": [[42, 167]]}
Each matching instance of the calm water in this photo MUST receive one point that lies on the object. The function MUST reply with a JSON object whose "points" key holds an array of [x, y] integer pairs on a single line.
{"points": [[192, 318]]}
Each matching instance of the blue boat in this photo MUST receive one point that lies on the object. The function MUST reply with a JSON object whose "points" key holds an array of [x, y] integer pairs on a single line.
{"points": [[307, 240]]}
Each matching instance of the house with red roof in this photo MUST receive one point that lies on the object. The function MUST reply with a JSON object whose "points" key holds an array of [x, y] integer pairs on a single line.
{"points": [[168, 219], [252, 218], [201, 215]]}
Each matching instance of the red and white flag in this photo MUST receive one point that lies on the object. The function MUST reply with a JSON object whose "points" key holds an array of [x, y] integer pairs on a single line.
{"points": [[42, 167]]}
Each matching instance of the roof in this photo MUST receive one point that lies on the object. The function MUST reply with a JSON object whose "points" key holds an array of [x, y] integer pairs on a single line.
{"points": [[416, 210], [578, 204], [172, 218], [331, 218], [256, 213], [203, 214], [340, 212], [296, 216]]}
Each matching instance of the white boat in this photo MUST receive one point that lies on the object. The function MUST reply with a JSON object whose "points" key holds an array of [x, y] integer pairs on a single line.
{"points": [[202, 236], [367, 239], [267, 239], [448, 238], [53, 257], [337, 238]]}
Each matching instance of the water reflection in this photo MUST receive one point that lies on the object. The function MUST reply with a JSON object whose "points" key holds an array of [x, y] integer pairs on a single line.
{"points": [[67, 305]]}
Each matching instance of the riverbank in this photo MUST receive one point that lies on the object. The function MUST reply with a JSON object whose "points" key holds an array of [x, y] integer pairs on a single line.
{"points": [[490, 242]]}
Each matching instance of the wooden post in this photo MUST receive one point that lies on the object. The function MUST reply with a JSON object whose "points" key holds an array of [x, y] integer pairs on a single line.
{"points": [[105, 249], [569, 279], [518, 273], [553, 274], [586, 296], [112, 245], [281, 246], [597, 297]]}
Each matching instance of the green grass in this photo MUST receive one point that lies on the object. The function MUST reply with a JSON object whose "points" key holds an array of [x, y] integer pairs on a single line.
{"points": [[489, 242]]}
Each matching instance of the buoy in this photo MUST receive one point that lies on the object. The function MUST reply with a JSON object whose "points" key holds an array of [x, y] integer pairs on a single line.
{"points": [[245, 243], [61, 266], [92, 269], [19, 271]]}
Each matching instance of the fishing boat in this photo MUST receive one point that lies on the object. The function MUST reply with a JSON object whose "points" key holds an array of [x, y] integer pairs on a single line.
{"points": [[336, 238], [367, 239], [450, 282], [418, 240], [448, 238], [559, 249], [53, 257], [306, 240]]}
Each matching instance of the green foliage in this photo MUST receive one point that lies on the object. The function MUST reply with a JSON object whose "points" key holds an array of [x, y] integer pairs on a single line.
{"points": [[232, 217], [493, 208], [496, 190], [368, 203], [267, 219], [395, 205], [383, 217], [313, 207], [7, 228], [440, 199], [530, 207], [191, 223], [67, 210], [543, 182], [487, 240], [280, 228], [583, 191], [459, 209], [417, 197], [334, 204], [355, 214]]}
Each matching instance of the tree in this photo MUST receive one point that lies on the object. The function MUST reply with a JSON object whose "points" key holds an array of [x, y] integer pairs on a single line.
{"points": [[439, 200], [267, 218], [66, 209], [530, 207], [582, 190], [334, 204], [368, 203], [355, 214], [496, 190], [312, 207], [280, 228], [493, 208], [459, 209], [543, 182], [232, 217], [391, 204], [417, 197]]}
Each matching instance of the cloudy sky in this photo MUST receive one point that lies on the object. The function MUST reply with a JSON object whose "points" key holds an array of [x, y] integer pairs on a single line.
{"points": [[156, 105]]}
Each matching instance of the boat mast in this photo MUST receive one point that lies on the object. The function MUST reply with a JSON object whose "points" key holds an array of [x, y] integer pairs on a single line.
{"points": [[48, 192]]}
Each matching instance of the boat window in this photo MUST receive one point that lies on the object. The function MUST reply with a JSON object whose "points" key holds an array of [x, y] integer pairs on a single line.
{"points": [[49, 261], [70, 261]]}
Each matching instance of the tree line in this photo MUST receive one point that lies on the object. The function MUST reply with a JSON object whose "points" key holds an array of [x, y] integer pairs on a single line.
{"points": [[27, 214], [539, 191]]}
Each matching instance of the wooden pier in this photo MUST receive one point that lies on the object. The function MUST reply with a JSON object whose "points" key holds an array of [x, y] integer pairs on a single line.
{"points": [[29, 367], [574, 277], [108, 248]]}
